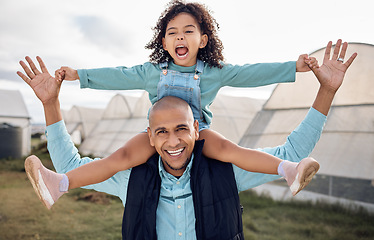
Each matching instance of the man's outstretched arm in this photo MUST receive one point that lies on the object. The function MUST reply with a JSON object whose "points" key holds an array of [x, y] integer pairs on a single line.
{"points": [[303, 139], [64, 154]]}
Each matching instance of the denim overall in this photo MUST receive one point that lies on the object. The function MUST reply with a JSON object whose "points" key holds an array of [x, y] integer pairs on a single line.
{"points": [[185, 86]]}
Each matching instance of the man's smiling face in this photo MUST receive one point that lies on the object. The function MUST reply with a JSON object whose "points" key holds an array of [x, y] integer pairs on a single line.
{"points": [[173, 132]]}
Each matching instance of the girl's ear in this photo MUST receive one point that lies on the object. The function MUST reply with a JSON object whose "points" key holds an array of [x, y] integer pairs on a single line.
{"points": [[204, 41], [164, 44]]}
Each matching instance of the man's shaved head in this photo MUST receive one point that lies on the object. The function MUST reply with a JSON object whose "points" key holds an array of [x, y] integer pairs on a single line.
{"points": [[170, 103], [173, 131]]}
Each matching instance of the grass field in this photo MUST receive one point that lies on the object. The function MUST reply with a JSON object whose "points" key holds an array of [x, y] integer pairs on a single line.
{"points": [[84, 214]]}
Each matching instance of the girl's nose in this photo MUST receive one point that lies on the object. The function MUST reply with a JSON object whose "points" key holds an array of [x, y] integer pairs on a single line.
{"points": [[180, 37]]}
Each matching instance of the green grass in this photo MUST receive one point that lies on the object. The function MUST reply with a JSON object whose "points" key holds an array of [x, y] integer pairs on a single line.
{"points": [[264, 218], [22, 216]]}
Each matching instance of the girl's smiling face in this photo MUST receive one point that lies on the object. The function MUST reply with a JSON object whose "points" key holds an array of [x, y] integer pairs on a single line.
{"points": [[183, 39]]}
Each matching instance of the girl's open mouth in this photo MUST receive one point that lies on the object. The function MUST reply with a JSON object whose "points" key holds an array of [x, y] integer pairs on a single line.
{"points": [[181, 51]]}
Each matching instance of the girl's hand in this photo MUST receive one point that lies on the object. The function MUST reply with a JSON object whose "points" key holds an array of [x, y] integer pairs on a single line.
{"points": [[302, 64], [67, 73], [312, 62], [60, 74]]}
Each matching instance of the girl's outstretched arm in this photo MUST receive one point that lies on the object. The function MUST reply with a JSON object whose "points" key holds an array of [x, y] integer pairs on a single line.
{"points": [[218, 147]]}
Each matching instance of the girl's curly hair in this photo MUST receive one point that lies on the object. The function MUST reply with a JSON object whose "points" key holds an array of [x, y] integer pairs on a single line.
{"points": [[211, 54]]}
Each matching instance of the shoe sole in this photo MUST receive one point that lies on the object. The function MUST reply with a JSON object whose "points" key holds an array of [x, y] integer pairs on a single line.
{"points": [[306, 176], [30, 167]]}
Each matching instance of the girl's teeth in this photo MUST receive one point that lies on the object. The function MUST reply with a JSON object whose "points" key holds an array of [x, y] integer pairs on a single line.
{"points": [[182, 55], [181, 51]]}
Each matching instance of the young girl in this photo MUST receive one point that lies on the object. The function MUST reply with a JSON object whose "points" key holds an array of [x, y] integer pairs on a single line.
{"points": [[186, 62]]}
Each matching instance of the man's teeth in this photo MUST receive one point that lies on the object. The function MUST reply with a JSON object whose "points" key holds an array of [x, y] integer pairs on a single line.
{"points": [[176, 152]]}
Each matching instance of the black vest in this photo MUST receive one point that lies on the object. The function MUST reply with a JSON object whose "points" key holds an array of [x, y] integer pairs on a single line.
{"points": [[214, 192]]}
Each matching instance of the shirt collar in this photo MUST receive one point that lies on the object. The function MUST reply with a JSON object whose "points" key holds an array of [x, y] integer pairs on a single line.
{"points": [[175, 67], [164, 173]]}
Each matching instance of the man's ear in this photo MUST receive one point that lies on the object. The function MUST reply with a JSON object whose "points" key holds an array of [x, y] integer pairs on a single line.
{"points": [[164, 44], [204, 41], [196, 128], [150, 137]]}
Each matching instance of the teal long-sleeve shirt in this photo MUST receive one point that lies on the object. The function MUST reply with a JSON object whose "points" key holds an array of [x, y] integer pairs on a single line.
{"points": [[175, 217], [146, 77]]}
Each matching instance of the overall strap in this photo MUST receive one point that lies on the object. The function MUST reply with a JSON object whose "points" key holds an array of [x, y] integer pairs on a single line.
{"points": [[163, 65], [199, 66]]}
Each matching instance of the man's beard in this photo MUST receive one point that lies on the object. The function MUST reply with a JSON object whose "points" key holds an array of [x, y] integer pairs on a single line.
{"points": [[180, 168]]}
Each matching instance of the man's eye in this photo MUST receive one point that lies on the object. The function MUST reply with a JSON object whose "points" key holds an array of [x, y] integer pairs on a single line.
{"points": [[161, 132]]}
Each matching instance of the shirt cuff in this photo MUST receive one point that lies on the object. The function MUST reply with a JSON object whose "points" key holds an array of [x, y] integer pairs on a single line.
{"points": [[315, 118], [82, 73], [56, 130], [291, 73]]}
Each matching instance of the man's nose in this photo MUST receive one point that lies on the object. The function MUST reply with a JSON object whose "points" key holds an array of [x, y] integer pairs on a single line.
{"points": [[173, 140]]}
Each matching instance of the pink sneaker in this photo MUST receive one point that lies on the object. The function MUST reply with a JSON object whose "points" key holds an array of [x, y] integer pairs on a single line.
{"points": [[45, 182], [298, 175]]}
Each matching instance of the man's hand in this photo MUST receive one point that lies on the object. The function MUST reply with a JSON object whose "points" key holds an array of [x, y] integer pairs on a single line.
{"points": [[331, 73], [44, 85]]}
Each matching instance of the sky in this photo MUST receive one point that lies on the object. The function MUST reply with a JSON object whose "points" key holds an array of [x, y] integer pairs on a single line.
{"points": [[96, 33]]}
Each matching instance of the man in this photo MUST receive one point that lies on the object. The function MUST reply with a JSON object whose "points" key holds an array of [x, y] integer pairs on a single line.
{"points": [[179, 175], [180, 193]]}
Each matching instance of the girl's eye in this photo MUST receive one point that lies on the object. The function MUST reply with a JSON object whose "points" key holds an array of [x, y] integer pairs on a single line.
{"points": [[190, 31]]}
